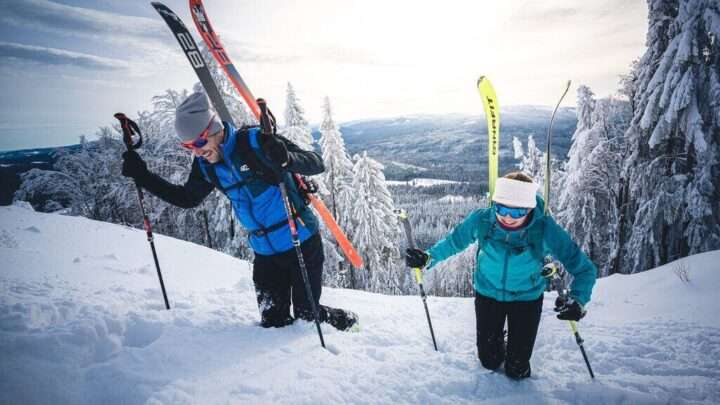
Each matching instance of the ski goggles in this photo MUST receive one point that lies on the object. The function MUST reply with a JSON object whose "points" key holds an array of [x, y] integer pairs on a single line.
{"points": [[514, 212], [201, 140]]}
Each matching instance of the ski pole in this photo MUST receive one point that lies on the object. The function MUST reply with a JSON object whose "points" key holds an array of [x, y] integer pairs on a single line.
{"points": [[548, 142], [418, 272], [556, 276], [130, 128], [267, 128]]}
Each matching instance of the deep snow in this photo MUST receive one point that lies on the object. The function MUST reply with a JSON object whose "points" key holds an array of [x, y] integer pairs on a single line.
{"points": [[82, 321]]}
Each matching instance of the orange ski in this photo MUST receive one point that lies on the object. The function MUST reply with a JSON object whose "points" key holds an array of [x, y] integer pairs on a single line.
{"points": [[334, 228]]}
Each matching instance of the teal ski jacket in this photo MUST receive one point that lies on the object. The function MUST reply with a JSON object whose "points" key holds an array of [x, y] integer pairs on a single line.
{"points": [[508, 263]]}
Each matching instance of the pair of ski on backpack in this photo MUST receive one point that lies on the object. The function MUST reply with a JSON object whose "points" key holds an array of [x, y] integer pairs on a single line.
{"points": [[192, 52]]}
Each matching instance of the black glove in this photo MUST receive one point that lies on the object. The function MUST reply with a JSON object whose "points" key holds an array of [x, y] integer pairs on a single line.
{"points": [[571, 311], [416, 258], [275, 150], [133, 165], [559, 303]]}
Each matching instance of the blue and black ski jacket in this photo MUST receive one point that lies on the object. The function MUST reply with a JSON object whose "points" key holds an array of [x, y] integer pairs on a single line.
{"points": [[245, 176]]}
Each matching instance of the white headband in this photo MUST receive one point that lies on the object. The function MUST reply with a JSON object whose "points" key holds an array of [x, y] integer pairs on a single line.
{"points": [[515, 193]]}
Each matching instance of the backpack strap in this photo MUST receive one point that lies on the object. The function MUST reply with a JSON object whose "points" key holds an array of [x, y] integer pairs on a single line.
{"points": [[275, 226], [251, 157], [484, 228], [211, 175]]}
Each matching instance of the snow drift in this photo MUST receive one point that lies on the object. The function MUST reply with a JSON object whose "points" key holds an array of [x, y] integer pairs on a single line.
{"points": [[82, 321]]}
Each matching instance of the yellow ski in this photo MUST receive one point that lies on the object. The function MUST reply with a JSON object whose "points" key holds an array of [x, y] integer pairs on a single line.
{"points": [[492, 115]]}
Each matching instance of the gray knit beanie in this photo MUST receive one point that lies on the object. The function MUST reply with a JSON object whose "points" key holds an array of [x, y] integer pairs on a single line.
{"points": [[193, 116]]}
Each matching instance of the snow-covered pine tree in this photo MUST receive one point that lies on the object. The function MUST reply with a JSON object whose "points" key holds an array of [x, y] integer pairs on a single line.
{"points": [[338, 174], [532, 163], [672, 204], [375, 230], [335, 185], [296, 127], [587, 205]]}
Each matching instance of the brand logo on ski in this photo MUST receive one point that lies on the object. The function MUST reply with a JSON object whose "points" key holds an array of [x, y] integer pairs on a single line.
{"points": [[493, 126], [204, 26], [190, 49]]}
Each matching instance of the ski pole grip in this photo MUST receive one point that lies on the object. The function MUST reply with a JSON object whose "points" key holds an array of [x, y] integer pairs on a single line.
{"points": [[418, 275], [265, 124], [129, 128]]}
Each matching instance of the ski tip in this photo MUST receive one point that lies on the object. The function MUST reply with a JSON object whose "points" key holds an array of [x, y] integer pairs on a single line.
{"points": [[480, 79]]}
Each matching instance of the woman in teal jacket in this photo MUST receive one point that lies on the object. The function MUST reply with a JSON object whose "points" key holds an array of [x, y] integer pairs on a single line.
{"points": [[514, 239]]}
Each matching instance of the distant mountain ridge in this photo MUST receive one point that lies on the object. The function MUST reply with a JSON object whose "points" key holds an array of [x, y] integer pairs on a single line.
{"points": [[449, 146], [454, 146]]}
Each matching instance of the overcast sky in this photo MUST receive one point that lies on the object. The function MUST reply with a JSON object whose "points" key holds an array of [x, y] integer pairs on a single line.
{"points": [[67, 65]]}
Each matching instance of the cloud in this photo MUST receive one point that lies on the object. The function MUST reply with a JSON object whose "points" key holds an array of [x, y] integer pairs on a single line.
{"points": [[53, 56], [245, 52], [60, 18]]}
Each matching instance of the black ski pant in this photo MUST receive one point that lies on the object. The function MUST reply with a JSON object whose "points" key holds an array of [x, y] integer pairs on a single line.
{"points": [[523, 319], [279, 283]]}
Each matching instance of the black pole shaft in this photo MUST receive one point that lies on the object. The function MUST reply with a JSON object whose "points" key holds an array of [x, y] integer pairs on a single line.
{"points": [[579, 341], [427, 314], [301, 261], [267, 130], [418, 273], [129, 128], [559, 284], [150, 238]]}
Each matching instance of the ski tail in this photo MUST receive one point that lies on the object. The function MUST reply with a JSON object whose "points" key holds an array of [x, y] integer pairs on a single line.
{"points": [[492, 115], [548, 142], [352, 255], [197, 10], [202, 22]]}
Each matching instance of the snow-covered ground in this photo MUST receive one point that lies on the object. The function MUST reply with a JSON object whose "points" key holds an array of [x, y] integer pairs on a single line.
{"points": [[407, 166], [421, 182], [452, 199], [82, 321]]}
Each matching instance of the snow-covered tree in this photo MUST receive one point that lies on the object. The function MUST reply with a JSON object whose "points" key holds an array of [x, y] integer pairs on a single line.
{"points": [[83, 179], [338, 173], [336, 188], [296, 127], [532, 163], [375, 227], [588, 198], [629, 83], [672, 204]]}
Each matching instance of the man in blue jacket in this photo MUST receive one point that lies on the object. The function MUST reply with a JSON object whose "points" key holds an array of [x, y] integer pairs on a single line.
{"points": [[514, 238], [245, 166]]}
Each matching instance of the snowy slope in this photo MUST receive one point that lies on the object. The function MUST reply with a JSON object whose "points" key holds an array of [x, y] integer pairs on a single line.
{"points": [[82, 321]]}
